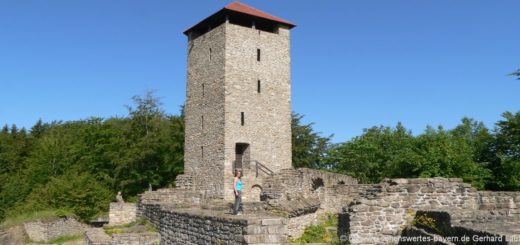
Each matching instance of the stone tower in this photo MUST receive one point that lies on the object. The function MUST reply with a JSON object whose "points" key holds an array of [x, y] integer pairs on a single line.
{"points": [[238, 99]]}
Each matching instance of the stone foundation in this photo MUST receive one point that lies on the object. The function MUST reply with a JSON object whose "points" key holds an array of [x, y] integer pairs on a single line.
{"points": [[148, 238], [43, 231], [368, 213], [122, 213], [381, 214]]}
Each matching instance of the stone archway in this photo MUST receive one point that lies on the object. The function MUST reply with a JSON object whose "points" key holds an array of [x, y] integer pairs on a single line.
{"points": [[256, 191]]}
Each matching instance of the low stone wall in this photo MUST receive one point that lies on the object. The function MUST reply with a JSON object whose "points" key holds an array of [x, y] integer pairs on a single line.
{"points": [[97, 236], [381, 216], [297, 225], [44, 231], [147, 238], [300, 194], [304, 182], [381, 212], [122, 213], [501, 200], [196, 228]]}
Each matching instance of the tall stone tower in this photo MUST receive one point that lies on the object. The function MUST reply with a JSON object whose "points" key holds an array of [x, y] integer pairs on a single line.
{"points": [[238, 99]]}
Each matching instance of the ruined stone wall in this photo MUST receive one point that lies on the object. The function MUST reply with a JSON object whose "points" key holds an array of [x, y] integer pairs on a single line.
{"points": [[148, 203], [502, 202], [204, 113], [186, 228], [296, 225], [381, 216], [337, 196], [146, 238], [303, 194], [122, 213], [52, 229], [267, 115], [304, 182], [97, 236]]}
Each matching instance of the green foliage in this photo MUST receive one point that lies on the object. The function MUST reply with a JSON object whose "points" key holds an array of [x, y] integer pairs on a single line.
{"points": [[308, 147], [140, 225], [505, 160], [81, 165], [82, 194], [36, 215], [424, 221], [385, 152], [319, 233], [60, 240]]}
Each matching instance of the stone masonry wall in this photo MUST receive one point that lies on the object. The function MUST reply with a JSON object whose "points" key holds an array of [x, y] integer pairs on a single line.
{"points": [[147, 238], [304, 182], [302, 194], [122, 213], [204, 113], [186, 228], [97, 236], [381, 216], [267, 115], [48, 230]]}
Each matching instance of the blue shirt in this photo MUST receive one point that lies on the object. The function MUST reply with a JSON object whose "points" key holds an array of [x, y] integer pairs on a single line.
{"points": [[239, 185]]}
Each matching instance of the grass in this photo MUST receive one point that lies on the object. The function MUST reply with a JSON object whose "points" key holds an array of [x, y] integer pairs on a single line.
{"points": [[63, 239], [119, 229], [44, 215], [58, 240], [319, 233]]}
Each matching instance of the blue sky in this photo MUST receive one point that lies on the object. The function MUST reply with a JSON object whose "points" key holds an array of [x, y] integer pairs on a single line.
{"points": [[355, 64]]}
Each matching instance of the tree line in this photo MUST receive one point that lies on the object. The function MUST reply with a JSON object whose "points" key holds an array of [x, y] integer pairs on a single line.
{"points": [[79, 165], [486, 158]]}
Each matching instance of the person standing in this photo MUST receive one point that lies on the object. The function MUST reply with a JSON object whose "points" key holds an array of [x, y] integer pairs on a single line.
{"points": [[237, 186]]}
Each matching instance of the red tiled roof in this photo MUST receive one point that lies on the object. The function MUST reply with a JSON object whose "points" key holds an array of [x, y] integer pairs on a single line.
{"points": [[246, 9]]}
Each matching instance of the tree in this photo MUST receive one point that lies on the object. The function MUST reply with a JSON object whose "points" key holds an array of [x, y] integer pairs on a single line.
{"points": [[308, 147], [378, 153], [517, 74], [506, 149]]}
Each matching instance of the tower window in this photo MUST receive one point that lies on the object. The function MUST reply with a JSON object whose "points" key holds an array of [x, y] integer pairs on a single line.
{"points": [[202, 152], [202, 122], [258, 87], [257, 54], [210, 54], [203, 90], [242, 120]]}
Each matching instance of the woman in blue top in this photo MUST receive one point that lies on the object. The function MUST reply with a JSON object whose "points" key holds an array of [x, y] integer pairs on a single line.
{"points": [[237, 186]]}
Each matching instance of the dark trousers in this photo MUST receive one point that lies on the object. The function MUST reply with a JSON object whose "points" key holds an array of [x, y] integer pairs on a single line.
{"points": [[238, 201]]}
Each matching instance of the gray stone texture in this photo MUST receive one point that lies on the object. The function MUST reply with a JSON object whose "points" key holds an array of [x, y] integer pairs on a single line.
{"points": [[382, 212], [122, 213], [43, 231], [97, 236], [146, 238], [219, 90]]}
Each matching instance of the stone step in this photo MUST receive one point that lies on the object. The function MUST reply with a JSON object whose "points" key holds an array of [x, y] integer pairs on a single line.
{"points": [[265, 239], [266, 229], [267, 221]]}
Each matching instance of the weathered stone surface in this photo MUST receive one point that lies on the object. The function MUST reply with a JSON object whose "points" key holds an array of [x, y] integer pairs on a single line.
{"points": [[50, 229], [147, 238], [122, 213], [97, 236]]}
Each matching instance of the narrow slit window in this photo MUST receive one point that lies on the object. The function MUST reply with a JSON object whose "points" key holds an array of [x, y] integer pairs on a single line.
{"points": [[203, 90], [210, 54], [257, 54], [202, 122], [202, 152], [242, 121], [258, 87]]}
